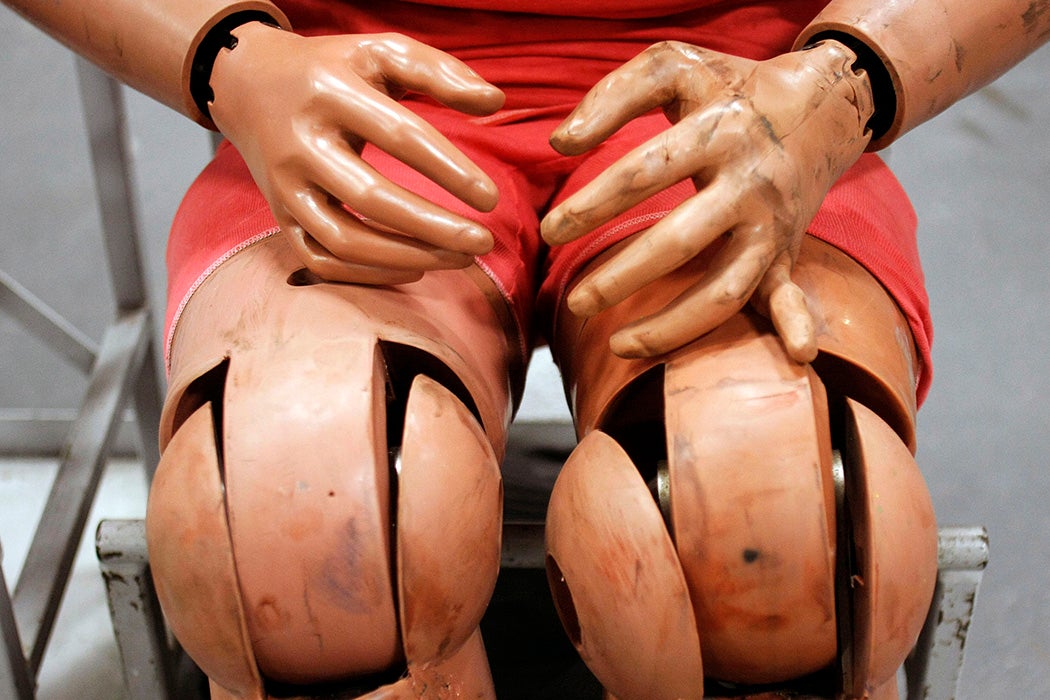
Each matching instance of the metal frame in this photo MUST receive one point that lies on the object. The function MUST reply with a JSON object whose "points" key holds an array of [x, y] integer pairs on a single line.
{"points": [[122, 371], [932, 670], [147, 654], [934, 667]]}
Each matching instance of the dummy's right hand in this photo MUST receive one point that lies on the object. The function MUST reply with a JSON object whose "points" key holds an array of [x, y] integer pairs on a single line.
{"points": [[300, 110]]}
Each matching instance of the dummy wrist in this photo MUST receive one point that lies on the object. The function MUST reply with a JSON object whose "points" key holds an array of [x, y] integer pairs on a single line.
{"points": [[883, 94], [218, 38]]}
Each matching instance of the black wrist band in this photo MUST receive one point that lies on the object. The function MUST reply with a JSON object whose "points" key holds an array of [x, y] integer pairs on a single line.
{"points": [[883, 94], [218, 38]]}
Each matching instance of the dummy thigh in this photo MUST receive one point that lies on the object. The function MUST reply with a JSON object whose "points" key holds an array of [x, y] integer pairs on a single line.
{"points": [[751, 492], [342, 428]]}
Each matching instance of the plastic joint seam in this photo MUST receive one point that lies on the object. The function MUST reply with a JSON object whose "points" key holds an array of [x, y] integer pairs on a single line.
{"points": [[883, 94], [218, 38]]}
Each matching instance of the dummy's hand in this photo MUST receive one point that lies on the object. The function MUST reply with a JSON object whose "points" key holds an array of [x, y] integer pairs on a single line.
{"points": [[761, 141], [300, 111]]}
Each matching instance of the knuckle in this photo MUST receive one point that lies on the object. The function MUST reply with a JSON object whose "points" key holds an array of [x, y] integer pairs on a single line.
{"points": [[681, 245], [384, 42], [670, 55], [735, 291], [601, 292], [663, 47], [671, 49], [654, 344]]}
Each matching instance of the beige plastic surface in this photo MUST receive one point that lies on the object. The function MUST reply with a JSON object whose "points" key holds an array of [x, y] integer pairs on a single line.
{"points": [[450, 505], [192, 560], [616, 578]]}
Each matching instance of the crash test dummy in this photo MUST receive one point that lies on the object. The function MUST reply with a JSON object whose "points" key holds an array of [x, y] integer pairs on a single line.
{"points": [[679, 197]]}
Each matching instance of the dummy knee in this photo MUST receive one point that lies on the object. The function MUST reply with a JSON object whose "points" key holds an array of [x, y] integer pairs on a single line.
{"points": [[751, 527], [304, 524]]}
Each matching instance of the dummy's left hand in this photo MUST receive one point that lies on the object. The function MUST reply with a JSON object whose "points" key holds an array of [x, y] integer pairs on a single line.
{"points": [[762, 141]]}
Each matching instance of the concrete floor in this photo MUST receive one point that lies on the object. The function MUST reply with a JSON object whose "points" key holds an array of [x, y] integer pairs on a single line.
{"points": [[978, 176]]}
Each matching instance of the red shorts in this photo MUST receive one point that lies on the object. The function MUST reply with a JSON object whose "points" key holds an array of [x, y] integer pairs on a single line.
{"points": [[866, 214]]}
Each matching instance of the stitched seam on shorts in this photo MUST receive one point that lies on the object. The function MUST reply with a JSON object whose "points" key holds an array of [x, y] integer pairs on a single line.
{"points": [[506, 298], [583, 256], [598, 242]]}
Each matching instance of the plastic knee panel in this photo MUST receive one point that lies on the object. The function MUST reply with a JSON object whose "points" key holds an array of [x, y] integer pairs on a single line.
{"points": [[865, 342], [868, 360], [616, 579], [192, 560], [891, 563], [320, 613], [752, 504]]}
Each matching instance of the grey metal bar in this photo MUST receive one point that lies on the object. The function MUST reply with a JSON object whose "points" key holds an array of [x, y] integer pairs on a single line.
{"points": [[934, 668], [46, 324], [104, 117], [15, 680], [40, 588], [147, 400], [138, 624], [44, 431]]}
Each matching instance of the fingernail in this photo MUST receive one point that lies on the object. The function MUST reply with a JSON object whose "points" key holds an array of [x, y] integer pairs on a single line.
{"points": [[564, 139], [479, 240], [627, 346], [570, 127], [584, 302], [550, 227], [485, 196]]}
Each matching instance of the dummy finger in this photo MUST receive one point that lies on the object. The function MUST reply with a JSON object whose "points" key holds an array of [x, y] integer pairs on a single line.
{"points": [[328, 267], [670, 243], [349, 179], [421, 68], [674, 155], [784, 303], [651, 79], [728, 284], [352, 240], [374, 117]]}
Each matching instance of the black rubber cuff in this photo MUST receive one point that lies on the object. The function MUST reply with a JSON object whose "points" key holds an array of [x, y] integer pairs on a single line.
{"points": [[883, 94], [218, 38]]}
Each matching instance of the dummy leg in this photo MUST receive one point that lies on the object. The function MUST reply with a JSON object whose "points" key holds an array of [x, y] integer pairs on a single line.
{"points": [[322, 445], [736, 523]]}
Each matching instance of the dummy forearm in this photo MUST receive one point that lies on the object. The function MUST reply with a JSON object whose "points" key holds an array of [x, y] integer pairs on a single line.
{"points": [[149, 44], [935, 51]]}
